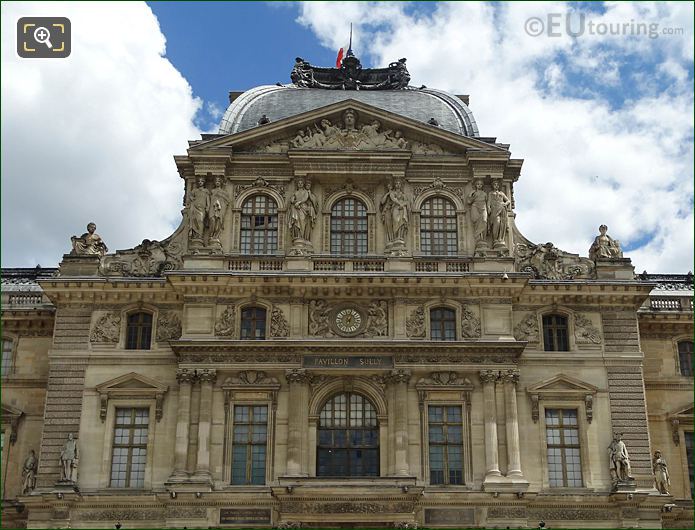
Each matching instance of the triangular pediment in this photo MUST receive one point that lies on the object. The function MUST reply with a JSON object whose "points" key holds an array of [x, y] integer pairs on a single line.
{"points": [[326, 128], [684, 412], [562, 384], [10, 413], [131, 381]]}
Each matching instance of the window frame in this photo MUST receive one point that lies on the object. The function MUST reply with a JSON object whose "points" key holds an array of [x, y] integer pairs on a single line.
{"points": [[430, 230], [109, 427], [249, 444], [430, 327], [446, 424], [266, 230], [129, 446], [12, 357], [679, 364], [134, 312], [568, 331], [266, 324], [563, 444], [339, 232]]}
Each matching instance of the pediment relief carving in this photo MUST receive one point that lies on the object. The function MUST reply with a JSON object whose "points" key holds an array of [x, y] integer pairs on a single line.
{"points": [[546, 261], [562, 387], [347, 132], [129, 386], [445, 380]]}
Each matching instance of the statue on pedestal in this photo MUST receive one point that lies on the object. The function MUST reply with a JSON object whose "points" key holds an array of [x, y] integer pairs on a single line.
{"points": [[89, 243], [395, 216], [662, 481], [69, 457], [219, 201], [604, 246], [199, 206], [497, 208], [478, 202], [619, 460], [302, 213], [31, 464]]}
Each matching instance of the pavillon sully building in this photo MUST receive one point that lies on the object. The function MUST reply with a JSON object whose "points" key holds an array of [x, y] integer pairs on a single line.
{"points": [[346, 330]]}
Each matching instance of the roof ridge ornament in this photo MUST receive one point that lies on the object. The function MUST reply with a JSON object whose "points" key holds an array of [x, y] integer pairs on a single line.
{"points": [[350, 75]]}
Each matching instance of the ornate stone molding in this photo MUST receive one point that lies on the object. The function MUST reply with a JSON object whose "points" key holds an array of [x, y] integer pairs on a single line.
{"points": [[439, 185], [168, 326], [298, 375], [488, 376], [225, 325], [546, 261], [349, 188], [395, 377], [107, 328], [131, 386], [510, 376], [251, 378], [12, 416], [279, 326], [415, 324], [184, 375], [206, 375], [562, 387], [260, 184]]}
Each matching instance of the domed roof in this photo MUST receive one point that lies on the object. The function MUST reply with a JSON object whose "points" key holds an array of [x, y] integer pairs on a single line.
{"points": [[278, 102]]}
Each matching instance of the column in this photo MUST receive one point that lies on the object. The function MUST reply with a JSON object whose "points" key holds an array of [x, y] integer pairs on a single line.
{"points": [[511, 377], [492, 465], [207, 378], [297, 379], [183, 421], [400, 379]]}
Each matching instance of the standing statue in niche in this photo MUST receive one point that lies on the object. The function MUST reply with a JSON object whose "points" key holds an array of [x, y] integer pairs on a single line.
{"points": [[497, 208], [69, 457], [31, 464], [661, 479], [219, 201], [89, 243], [301, 214], [604, 246], [478, 202], [198, 209], [395, 216], [620, 460]]}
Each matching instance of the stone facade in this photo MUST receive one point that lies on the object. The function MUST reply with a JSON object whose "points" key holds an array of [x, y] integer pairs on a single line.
{"points": [[170, 331]]}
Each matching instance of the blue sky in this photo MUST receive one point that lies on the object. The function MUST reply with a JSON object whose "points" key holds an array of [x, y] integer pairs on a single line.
{"points": [[604, 123]]}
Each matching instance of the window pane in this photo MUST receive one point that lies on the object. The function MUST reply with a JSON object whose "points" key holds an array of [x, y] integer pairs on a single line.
{"points": [[442, 324], [564, 460], [446, 444], [349, 228], [129, 454], [555, 333], [249, 439], [259, 225], [685, 357], [253, 323], [438, 235], [139, 331], [7, 356], [689, 453]]}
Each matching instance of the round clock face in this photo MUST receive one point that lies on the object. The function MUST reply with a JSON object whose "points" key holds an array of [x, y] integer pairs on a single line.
{"points": [[348, 320]]}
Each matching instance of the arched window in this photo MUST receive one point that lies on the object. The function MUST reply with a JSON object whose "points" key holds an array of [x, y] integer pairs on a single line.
{"points": [[139, 331], [442, 323], [253, 323], [438, 235], [348, 438], [259, 225], [555, 333], [349, 227], [685, 357]]}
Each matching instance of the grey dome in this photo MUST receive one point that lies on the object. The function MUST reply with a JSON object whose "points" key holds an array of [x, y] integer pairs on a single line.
{"points": [[278, 102]]}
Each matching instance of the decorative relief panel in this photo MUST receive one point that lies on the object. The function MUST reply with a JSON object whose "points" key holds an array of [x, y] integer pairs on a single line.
{"points": [[168, 326], [584, 330], [348, 320], [107, 328], [527, 329], [415, 324], [279, 328], [225, 325], [546, 261], [470, 323]]}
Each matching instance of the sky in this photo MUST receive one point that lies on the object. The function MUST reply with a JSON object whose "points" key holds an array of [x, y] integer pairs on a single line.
{"points": [[597, 98]]}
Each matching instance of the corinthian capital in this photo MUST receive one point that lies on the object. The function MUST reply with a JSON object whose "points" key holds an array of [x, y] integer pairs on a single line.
{"points": [[207, 375], [511, 376], [184, 375], [488, 376], [397, 376], [297, 375]]}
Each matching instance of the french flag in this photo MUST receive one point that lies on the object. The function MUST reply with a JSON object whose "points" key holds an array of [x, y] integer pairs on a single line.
{"points": [[339, 59]]}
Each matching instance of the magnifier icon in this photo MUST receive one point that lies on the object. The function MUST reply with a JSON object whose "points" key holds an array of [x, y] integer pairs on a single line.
{"points": [[43, 36]]}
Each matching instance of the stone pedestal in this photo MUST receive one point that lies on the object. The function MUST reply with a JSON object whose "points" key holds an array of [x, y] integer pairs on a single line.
{"points": [[298, 263], [614, 269], [80, 265]]}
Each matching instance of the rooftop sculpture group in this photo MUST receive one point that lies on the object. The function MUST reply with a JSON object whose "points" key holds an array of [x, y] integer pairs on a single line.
{"points": [[350, 75]]}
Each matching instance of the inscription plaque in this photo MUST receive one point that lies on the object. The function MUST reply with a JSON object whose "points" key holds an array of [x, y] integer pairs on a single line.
{"points": [[450, 516], [347, 361], [244, 516]]}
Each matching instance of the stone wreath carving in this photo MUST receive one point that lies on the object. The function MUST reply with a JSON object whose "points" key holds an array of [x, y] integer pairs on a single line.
{"points": [[348, 135], [584, 330], [415, 324], [168, 326], [278, 323], [470, 324], [527, 329], [225, 326], [107, 328]]}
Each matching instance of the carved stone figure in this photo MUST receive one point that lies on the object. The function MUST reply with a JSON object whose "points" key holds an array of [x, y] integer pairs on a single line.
{"points": [[527, 329], [395, 214], [226, 324], [198, 208], [278, 323], [89, 243], [318, 318], [497, 208], [377, 325], [619, 459], [585, 331], [302, 211], [168, 326], [29, 468], [662, 481], [470, 324], [150, 258], [107, 328], [604, 246], [415, 324], [478, 202], [219, 201], [69, 457]]}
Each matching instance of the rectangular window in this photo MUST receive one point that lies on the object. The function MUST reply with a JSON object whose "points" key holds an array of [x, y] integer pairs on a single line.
{"points": [[685, 357], [446, 444], [7, 357], [555, 333], [689, 453], [129, 448], [562, 435], [249, 444]]}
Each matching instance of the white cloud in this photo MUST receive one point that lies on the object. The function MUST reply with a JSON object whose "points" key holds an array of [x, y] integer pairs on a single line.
{"points": [[587, 161], [91, 137]]}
